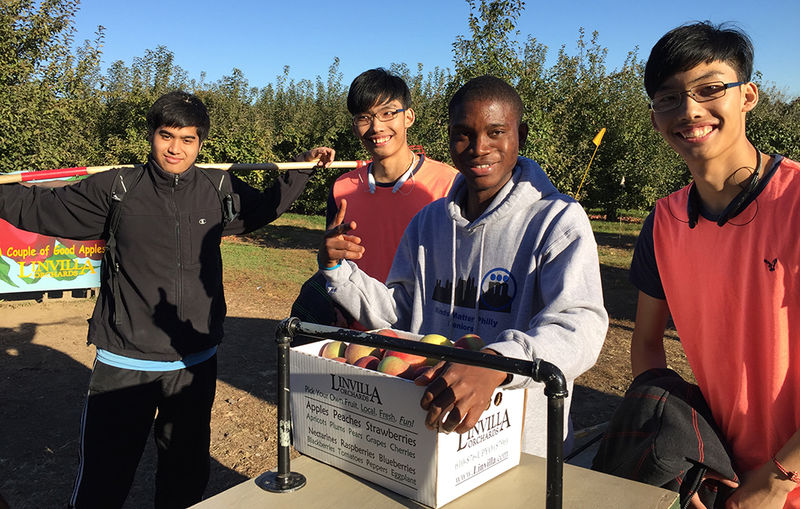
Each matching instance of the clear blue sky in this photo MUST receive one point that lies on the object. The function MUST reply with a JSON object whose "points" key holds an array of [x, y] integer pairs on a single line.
{"points": [[260, 37]]}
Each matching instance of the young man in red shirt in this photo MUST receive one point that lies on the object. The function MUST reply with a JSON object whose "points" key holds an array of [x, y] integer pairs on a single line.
{"points": [[386, 194], [719, 256]]}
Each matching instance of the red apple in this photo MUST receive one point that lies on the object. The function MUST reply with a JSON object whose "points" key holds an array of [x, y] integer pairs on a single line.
{"points": [[354, 351], [25, 246], [469, 342], [408, 358], [368, 362]]}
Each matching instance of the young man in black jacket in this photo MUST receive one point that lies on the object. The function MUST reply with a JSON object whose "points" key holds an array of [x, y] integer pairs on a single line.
{"points": [[158, 318]]}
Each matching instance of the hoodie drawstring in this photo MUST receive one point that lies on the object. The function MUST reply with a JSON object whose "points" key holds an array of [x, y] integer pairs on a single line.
{"points": [[478, 283], [453, 279]]}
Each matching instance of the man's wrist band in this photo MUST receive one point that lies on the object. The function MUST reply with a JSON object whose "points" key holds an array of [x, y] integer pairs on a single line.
{"points": [[334, 267], [792, 476]]}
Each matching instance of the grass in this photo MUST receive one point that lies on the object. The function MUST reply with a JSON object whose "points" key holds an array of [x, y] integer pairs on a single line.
{"points": [[285, 251], [624, 213], [615, 257], [619, 227], [299, 220], [615, 242]]}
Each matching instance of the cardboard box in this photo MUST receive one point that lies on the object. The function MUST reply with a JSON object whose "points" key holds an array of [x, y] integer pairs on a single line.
{"points": [[371, 425]]}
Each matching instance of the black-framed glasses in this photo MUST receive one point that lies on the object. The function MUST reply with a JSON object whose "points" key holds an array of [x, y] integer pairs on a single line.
{"points": [[365, 119], [700, 93]]}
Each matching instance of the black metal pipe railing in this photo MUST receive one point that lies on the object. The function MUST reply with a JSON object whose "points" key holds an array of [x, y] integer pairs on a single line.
{"points": [[285, 480]]}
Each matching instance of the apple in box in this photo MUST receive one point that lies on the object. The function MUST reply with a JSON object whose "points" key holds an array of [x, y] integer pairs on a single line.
{"points": [[333, 349], [368, 362], [420, 360], [469, 342], [371, 425], [354, 352], [396, 366], [434, 339]]}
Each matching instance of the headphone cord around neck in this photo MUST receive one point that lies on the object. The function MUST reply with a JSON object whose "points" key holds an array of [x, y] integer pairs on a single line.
{"points": [[734, 207]]}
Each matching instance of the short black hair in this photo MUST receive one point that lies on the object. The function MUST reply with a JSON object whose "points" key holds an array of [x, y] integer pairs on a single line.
{"points": [[687, 46], [376, 86], [179, 109], [485, 88]]}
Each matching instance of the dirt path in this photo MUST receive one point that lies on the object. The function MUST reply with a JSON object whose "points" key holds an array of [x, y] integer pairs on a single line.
{"points": [[44, 373]]}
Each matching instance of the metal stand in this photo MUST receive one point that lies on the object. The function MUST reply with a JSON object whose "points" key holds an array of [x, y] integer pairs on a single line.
{"points": [[284, 480]]}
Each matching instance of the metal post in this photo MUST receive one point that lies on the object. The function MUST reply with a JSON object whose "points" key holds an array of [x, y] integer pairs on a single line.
{"points": [[284, 480], [555, 452], [555, 388]]}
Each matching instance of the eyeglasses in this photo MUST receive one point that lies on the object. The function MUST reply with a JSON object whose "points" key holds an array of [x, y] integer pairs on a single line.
{"points": [[700, 93], [365, 119]]}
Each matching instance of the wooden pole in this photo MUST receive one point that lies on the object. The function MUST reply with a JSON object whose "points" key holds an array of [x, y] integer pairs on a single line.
{"points": [[29, 176]]}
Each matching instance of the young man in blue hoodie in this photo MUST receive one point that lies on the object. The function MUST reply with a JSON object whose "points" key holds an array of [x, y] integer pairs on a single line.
{"points": [[504, 255]]}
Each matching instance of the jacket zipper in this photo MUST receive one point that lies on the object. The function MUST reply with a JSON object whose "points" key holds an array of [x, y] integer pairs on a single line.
{"points": [[179, 284]]}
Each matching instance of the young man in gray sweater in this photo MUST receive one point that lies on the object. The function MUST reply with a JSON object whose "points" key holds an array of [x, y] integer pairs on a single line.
{"points": [[504, 255]]}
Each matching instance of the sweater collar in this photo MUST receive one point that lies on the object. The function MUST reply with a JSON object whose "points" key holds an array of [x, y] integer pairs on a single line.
{"points": [[528, 184], [170, 180]]}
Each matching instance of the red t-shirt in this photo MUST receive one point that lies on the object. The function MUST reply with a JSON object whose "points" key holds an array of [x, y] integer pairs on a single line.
{"points": [[382, 216], [734, 295]]}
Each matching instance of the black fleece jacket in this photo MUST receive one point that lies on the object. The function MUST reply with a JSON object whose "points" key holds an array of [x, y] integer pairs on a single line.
{"points": [[170, 266]]}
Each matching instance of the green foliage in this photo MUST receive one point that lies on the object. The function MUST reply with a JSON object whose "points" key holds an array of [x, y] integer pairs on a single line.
{"points": [[45, 89], [567, 104], [429, 96], [58, 109], [773, 125], [5, 269], [490, 50]]}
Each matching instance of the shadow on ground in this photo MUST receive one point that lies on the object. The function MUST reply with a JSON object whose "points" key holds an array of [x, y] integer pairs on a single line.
{"points": [[286, 237], [42, 401]]}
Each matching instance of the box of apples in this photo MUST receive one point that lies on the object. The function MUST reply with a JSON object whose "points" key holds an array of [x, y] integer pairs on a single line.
{"points": [[356, 407], [404, 365]]}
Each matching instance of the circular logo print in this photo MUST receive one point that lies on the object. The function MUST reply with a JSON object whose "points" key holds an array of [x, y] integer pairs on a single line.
{"points": [[497, 290]]}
